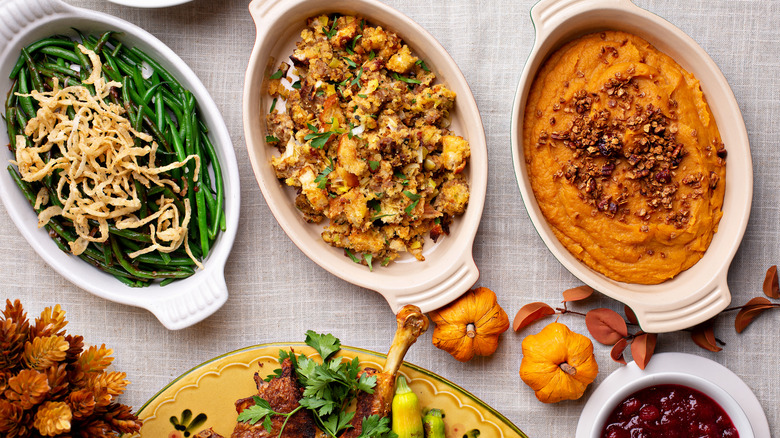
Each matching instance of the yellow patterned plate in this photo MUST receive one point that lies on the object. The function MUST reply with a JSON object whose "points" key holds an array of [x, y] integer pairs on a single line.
{"points": [[204, 396]]}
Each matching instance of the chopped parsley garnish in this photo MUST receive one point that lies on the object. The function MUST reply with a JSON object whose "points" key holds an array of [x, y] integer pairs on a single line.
{"points": [[271, 139], [386, 261], [351, 46], [349, 62], [297, 85], [422, 65], [373, 165], [273, 106], [362, 95], [380, 216], [322, 178], [318, 139], [368, 258], [351, 256], [279, 73], [332, 32], [356, 81], [414, 197], [321, 93], [329, 387], [404, 179], [371, 55], [398, 77]]}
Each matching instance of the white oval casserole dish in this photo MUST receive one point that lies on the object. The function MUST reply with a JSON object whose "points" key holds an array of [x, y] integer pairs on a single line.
{"points": [[449, 268], [183, 302], [700, 292]]}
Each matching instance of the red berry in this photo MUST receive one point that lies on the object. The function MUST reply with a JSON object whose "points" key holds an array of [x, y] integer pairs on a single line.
{"points": [[649, 413]]}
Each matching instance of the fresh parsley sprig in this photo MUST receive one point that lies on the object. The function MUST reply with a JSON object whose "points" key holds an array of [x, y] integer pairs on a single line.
{"points": [[318, 139], [330, 388]]}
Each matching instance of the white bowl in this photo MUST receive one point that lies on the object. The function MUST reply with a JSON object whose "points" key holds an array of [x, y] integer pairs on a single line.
{"points": [[700, 292], [183, 302], [696, 372], [449, 268]]}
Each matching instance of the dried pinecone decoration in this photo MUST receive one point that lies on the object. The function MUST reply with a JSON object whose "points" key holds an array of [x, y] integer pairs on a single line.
{"points": [[51, 386]]}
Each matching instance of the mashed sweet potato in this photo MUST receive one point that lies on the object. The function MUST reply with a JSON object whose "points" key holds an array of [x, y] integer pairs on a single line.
{"points": [[624, 157]]}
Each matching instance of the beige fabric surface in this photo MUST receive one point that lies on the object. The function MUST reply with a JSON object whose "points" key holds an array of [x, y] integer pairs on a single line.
{"points": [[277, 293]]}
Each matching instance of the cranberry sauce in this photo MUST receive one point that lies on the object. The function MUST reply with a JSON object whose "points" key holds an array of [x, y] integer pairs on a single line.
{"points": [[668, 411]]}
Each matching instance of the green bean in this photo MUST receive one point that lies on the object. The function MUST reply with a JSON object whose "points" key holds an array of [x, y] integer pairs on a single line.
{"points": [[157, 105], [102, 41], [202, 225], [220, 184], [61, 52], [167, 281], [141, 273], [151, 259], [128, 281], [35, 47], [107, 254], [25, 101], [172, 82], [25, 189], [138, 79], [35, 76], [150, 92], [156, 133], [10, 125], [159, 110], [59, 69]]}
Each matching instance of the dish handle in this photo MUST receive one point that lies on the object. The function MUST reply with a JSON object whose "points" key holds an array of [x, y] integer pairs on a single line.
{"points": [[673, 316], [15, 15], [464, 273], [547, 14], [193, 301]]}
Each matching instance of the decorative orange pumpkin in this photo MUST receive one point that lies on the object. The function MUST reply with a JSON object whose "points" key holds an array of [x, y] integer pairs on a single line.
{"points": [[471, 325], [558, 364]]}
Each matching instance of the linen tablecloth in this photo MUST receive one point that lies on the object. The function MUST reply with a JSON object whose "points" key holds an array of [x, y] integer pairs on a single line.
{"points": [[277, 293]]}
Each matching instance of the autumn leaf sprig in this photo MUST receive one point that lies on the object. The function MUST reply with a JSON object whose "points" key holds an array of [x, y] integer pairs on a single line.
{"points": [[609, 328]]}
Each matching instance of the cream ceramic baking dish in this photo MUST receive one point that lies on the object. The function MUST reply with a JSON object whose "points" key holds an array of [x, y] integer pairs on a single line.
{"points": [[184, 302], [449, 268], [700, 292]]}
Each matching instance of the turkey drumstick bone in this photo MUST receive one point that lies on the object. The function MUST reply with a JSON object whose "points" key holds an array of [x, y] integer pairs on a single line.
{"points": [[411, 324]]}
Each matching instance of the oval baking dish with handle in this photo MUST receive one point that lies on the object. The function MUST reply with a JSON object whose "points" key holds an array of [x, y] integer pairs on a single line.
{"points": [[183, 302], [702, 291], [449, 268]]}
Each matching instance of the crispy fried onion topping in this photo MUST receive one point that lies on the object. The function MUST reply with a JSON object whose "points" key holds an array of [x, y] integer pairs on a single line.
{"points": [[98, 165]]}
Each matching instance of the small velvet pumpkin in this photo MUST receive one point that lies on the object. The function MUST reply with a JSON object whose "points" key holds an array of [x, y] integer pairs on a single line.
{"points": [[558, 364], [471, 325]]}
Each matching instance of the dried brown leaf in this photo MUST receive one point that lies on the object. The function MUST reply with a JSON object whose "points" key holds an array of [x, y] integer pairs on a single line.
{"points": [[530, 313], [617, 351], [750, 311], [704, 337], [630, 315], [606, 326], [577, 293], [771, 286], [642, 348]]}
